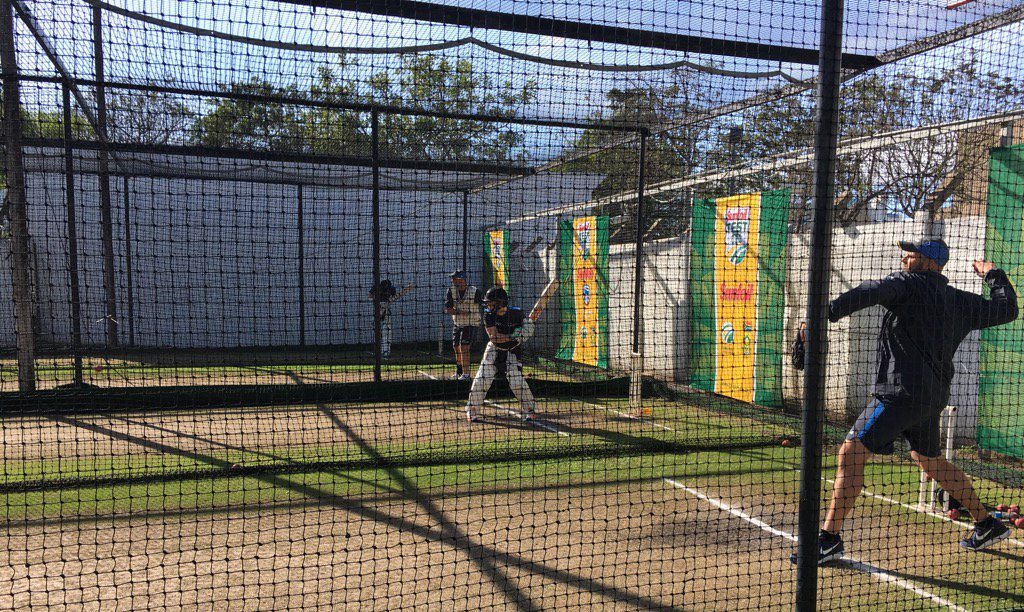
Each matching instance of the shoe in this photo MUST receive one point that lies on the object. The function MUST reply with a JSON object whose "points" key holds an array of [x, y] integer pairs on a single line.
{"points": [[465, 377], [456, 376], [830, 548], [472, 417], [529, 416], [985, 534]]}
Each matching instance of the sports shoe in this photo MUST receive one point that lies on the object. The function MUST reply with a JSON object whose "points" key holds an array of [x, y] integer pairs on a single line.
{"points": [[456, 376], [529, 416], [472, 417], [985, 534], [465, 377], [830, 547]]}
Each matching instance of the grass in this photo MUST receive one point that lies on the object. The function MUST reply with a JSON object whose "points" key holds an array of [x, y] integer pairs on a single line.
{"points": [[743, 478]]}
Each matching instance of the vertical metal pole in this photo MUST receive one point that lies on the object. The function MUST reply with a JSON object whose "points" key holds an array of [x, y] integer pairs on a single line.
{"points": [[825, 139], [130, 279], [21, 277], [375, 154], [302, 268], [76, 296], [641, 223], [106, 215], [465, 231]]}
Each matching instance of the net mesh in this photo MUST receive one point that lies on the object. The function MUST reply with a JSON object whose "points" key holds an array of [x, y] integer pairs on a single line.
{"points": [[248, 360]]}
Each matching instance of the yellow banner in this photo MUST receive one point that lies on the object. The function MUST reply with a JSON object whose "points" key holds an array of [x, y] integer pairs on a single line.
{"points": [[737, 222], [584, 260], [498, 247]]}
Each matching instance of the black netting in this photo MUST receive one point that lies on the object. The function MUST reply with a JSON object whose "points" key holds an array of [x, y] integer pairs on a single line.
{"points": [[473, 304]]}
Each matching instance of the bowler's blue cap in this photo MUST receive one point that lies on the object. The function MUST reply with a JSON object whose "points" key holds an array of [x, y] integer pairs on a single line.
{"points": [[936, 249]]}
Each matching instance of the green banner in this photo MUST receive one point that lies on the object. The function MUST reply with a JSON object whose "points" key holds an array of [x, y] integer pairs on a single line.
{"points": [[583, 290], [737, 285], [1000, 402], [496, 260]]}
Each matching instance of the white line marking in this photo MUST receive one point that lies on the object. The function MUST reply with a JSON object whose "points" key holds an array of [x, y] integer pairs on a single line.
{"points": [[865, 492], [913, 507], [514, 413], [876, 572], [628, 416]]}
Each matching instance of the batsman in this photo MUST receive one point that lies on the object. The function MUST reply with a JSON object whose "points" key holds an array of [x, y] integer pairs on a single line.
{"points": [[507, 328]]}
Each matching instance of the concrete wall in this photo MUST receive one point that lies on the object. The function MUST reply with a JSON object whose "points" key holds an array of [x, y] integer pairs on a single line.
{"points": [[208, 272], [860, 253], [216, 263]]}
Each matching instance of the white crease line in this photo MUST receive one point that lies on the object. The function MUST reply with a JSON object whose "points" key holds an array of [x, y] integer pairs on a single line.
{"points": [[865, 492], [890, 500], [876, 572], [515, 413]]}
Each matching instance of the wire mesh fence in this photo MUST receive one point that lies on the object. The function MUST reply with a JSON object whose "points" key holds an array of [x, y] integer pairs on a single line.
{"points": [[511, 305]]}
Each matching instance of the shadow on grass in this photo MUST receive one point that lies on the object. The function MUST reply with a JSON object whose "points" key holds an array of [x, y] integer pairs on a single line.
{"points": [[491, 562]]}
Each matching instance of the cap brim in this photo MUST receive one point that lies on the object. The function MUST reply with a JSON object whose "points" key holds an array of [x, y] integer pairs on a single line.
{"points": [[908, 246]]}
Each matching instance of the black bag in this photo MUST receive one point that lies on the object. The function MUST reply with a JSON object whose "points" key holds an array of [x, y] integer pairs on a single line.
{"points": [[797, 350]]}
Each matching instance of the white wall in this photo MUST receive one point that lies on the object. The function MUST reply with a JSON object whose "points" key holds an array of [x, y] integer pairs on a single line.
{"points": [[215, 264]]}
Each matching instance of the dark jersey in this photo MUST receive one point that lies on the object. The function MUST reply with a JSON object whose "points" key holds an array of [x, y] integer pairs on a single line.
{"points": [[506, 324], [925, 322]]}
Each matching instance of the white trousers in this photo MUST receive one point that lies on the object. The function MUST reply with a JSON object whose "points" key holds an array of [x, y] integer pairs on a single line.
{"points": [[385, 337], [485, 376]]}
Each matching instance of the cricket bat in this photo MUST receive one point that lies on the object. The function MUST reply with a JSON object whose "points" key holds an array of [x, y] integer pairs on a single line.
{"points": [[542, 301]]}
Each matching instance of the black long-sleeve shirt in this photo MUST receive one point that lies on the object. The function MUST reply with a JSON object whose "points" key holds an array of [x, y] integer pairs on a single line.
{"points": [[925, 322]]}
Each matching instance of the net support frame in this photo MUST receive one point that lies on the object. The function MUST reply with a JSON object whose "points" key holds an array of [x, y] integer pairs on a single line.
{"points": [[826, 141]]}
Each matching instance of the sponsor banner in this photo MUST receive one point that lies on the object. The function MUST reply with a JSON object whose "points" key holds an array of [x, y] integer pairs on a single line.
{"points": [[496, 260], [737, 274], [583, 280], [1000, 402]]}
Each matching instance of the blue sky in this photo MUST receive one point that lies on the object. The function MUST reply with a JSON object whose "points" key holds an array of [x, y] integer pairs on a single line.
{"points": [[140, 52]]}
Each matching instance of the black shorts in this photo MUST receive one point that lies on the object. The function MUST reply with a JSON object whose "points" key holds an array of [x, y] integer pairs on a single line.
{"points": [[464, 335], [887, 418]]}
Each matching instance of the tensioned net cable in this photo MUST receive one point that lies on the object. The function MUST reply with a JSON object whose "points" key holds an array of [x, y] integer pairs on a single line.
{"points": [[493, 304]]}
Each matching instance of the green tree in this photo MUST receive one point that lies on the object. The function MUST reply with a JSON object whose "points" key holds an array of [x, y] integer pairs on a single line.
{"points": [[146, 117], [906, 175], [254, 123], [422, 82], [680, 100]]}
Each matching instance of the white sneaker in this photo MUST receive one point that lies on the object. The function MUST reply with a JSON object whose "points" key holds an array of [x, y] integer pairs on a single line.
{"points": [[465, 377], [456, 376], [472, 417]]}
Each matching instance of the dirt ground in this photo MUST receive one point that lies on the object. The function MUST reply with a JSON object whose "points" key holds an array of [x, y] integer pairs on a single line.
{"points": [[625, 541]]}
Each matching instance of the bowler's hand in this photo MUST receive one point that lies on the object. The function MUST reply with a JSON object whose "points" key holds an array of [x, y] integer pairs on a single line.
{"points": [[982, 267]]}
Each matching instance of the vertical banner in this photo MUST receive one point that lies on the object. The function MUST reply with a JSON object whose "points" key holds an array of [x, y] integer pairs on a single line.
{"points": [[583, 278], [1000, 402], [496, 260], [737, 284]]}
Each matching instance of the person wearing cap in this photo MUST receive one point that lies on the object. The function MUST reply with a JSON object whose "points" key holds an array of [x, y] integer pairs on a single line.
{"points": [[463, 301], [925, 321]]}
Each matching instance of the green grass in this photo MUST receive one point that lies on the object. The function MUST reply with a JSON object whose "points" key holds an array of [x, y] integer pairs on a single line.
{"points": [[684, 426], [373, 485]]}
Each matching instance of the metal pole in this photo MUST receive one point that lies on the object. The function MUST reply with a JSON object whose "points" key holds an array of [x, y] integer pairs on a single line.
{"points": [[21, 277], [302, 268], [377, 323], [106, 215], [76, 296], [465, 230], [130, 284], [641, 223], [825, 142]]}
